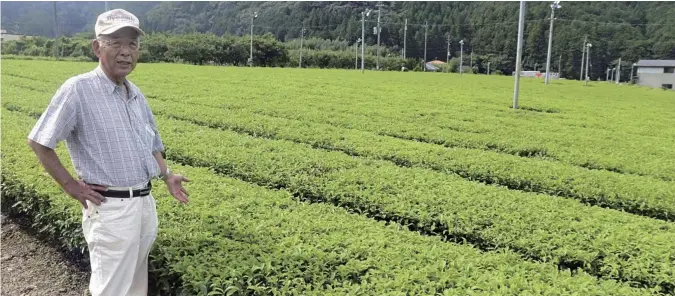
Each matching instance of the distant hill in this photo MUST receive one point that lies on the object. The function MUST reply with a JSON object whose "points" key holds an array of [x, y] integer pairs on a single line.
{"points": [[37, 18], [630, 30]]}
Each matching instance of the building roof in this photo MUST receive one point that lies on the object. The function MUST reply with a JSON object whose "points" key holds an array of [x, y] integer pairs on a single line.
{"points": [[436, 62], [656, 63]]}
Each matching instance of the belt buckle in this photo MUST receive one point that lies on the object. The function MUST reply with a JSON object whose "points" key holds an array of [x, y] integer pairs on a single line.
{"points": [[144, 192]]}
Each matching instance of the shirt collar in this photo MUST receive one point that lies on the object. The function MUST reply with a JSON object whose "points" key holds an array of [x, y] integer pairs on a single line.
{"points": [[109, 86]]}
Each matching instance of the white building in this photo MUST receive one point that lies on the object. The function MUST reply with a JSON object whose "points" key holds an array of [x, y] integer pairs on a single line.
{"points": [[4, 36], [656, 73]]}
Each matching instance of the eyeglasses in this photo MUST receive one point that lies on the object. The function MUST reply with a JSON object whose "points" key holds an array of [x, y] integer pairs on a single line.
{"points": [[117, 44]]}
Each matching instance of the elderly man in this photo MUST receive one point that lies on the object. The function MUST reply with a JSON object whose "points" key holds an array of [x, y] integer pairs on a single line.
{"points": [[116, 150]]}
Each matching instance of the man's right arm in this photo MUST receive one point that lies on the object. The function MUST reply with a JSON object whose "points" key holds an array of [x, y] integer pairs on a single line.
{"points": [[51, 162], [54, 125], [75, 188]]}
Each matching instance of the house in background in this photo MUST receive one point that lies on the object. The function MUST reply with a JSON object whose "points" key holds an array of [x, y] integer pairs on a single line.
{"points": [[4, 36], [434, 66], [536, 74], [656, 73]]}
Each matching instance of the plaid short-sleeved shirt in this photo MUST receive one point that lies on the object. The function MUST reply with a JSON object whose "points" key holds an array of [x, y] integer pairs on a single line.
{"points": [[111, 139]]}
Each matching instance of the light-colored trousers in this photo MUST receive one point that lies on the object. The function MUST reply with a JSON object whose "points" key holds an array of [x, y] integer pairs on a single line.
{"points": [[119, 235]]}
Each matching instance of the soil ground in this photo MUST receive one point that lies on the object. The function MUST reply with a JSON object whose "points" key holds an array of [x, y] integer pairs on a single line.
{"points": [[31, 266]]}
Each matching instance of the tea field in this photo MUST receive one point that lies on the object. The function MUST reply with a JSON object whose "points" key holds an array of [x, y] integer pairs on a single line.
{"points": [[333, 182]]}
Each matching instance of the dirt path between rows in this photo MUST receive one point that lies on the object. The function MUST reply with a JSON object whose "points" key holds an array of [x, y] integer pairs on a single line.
{"points": [[31, 266]]}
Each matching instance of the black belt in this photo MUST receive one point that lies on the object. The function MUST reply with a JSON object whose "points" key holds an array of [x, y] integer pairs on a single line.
{"points": [[125, 193]]}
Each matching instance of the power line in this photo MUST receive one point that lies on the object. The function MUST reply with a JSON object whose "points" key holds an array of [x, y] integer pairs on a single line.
{"points": [[310, 27], [458, 25], [527, 21], [510, 22], [610, 23]]}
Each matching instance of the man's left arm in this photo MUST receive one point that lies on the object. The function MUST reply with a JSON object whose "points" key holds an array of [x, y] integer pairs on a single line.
{"points": [[174, 182]]}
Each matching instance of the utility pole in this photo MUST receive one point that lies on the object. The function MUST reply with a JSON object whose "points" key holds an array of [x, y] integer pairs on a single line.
{"points": [[461, 57], [56, 34], [447, 58], [302, 38], [583, 52], [471, 63], [607, 75], [379, 4], [612, 75], [554, 6], [588, 54], [424, 65], [356, 54], [521, 27], [250, 59], [363, 37], [405, 35], [559, 67], [618, 72]]}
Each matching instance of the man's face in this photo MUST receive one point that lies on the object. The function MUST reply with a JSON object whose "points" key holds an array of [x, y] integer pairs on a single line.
{"points": [[118, 52]]}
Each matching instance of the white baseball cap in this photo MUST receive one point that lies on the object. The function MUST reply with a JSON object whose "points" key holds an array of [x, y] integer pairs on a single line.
{"points": [[113, 20]]}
